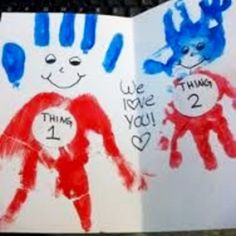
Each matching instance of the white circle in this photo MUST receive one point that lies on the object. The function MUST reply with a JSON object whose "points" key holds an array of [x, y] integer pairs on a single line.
{"points": [[195, 95], [54, 127]]}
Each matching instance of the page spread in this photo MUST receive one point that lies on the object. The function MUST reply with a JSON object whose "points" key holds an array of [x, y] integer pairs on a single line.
{"points": [[114, 124]]}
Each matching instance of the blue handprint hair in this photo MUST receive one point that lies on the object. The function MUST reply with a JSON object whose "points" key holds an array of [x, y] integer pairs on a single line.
{"points": [[197, 38], [67, 31], [13, 55], [67, 36]]}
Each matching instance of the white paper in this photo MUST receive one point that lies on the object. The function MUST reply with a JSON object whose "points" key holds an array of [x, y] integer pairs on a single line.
{"points": [[103, 95]]}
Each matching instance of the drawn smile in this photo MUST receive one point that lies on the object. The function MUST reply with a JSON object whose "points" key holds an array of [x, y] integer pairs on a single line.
{"points": [[60, 86], [191, 67]]}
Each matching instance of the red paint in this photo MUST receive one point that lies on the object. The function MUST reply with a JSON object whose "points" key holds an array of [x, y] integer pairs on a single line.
{"points": [[15, 205], [164, 143], [201, 126], [83, 207], [72, 180], [234, 104]]}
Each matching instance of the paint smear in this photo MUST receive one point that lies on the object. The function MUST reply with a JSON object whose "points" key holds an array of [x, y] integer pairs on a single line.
{"points": [[13, 61], [113, 53], [153, 67], [41, 29], [89, 36], [164, 143], [67, 32]]}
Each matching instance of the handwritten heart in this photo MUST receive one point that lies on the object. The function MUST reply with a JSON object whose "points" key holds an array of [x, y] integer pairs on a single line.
{"points": [[133, 103], [140, 142]]}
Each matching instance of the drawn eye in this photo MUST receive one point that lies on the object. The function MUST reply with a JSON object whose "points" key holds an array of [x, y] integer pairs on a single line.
{"points": [[50, 59], [75, 61], [185, 50], [200, 46]]}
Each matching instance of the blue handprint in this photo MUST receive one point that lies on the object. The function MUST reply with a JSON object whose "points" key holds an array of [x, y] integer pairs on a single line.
{"points": [[13, 56], [196, 43]]}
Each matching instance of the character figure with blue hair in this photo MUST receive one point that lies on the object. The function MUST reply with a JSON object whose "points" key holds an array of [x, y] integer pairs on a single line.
{"points": [[197, 92]]}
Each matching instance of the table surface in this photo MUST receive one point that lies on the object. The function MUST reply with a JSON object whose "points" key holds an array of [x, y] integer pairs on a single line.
{"points": [[195, 233]]}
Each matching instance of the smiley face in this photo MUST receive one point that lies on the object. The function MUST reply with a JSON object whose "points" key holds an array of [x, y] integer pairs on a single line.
{"points": [[191, 56], [194, 53], [63, 73]]}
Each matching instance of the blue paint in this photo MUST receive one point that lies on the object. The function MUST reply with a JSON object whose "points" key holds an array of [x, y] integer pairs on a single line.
{"points": [[89, 36], [41, 29], [153, 67], [214, 10], [197, 38], [67, 32], [13, 61], [113, 52]]}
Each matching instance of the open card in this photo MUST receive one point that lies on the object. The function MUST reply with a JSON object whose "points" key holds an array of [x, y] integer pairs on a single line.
{"points": [[112, 124]]}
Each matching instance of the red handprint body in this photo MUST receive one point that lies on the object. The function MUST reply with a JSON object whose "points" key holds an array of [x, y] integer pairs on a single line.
{"points": [[72, 182], [200, 126]]}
